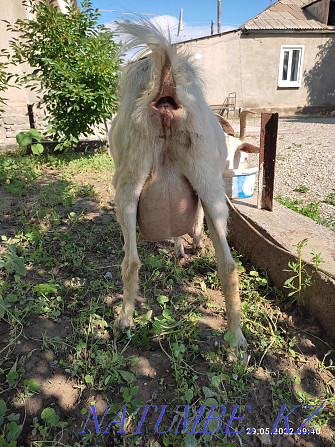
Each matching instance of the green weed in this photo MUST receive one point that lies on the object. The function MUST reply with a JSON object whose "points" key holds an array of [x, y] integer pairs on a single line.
{"points": [[46, 429], [12, 262], [10, 430], [302, 189], [32, 138], [330, 199], [301, 278], [311, 210], [16, 175]]}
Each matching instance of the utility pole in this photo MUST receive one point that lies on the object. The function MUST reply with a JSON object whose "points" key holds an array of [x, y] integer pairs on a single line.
{"points": [[180, 25], [212, 27], [219, 16]]}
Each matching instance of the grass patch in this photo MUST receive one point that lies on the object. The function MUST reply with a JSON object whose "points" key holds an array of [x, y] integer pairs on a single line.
{"points": [[302, 189], [310, 210], [330, 199], [60, 289]]}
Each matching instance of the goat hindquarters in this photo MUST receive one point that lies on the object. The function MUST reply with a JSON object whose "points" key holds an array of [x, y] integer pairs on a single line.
{"points": [[169, 131]]}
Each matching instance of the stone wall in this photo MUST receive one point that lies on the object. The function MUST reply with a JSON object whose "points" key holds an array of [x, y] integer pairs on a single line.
{"points": [[13, 121], [15, 117]]}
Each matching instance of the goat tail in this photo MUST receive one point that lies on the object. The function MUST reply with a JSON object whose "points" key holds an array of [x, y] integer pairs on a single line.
{"points": [[148, 37]]}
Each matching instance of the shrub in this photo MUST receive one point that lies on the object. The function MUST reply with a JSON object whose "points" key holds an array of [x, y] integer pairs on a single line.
{"points": [[74, 67]]}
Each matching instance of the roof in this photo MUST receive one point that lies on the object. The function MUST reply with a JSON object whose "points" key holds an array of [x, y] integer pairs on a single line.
{"points": [[285, 15]]}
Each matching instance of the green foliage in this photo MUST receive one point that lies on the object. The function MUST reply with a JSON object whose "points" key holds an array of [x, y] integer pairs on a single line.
{"points": [[301, 278], [9, 429], [330, 199], [75, 67], [25, 139], [302, 189], [66, 239], [311, 210], [11, 262], [16, 174], [51, 420], [4, 80]]}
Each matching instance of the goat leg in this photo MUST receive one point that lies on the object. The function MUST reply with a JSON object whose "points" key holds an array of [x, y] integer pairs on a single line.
{"points": [[178, 248], [216, 213], [197, 229], [126, 201], [227, 272]]}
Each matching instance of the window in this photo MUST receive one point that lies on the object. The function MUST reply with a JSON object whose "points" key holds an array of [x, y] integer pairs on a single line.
{"points": [[290, 65]]}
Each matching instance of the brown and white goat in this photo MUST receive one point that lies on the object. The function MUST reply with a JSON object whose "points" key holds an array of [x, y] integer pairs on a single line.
{"points": [[169, 152], [237, 147]]}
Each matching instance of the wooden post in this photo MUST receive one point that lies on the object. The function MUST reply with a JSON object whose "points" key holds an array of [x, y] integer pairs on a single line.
{"points": [[31, 116], [267, 159]]}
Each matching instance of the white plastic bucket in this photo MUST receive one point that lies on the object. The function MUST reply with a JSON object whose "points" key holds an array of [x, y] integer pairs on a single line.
{"points": [[240, 183]]}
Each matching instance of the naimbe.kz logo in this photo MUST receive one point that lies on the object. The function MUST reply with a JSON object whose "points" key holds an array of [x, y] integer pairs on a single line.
{"points": [[206, 415]]}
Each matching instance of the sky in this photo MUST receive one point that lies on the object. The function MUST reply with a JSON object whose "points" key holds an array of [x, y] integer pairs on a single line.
{"points": [[197, 15]]}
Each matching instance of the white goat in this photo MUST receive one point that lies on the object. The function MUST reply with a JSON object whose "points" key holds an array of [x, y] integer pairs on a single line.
{"points": [[169, 152]]}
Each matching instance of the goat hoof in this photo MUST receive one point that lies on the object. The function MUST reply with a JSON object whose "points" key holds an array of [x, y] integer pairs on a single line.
{"points": [[123, 322], [179, 255], [197, 249], [239, 355], [197, 246], [240, 352], [179, 252]]}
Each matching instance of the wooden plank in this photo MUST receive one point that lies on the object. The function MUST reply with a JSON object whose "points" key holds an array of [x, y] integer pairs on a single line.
{"points": [[267, 159], [31, 116]]}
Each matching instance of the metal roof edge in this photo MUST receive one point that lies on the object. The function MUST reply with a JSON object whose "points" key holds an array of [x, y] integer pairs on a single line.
{"points": [[286, 31], [209, 37]]}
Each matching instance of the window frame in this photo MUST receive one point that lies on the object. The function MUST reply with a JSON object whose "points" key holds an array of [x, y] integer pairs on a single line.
{"points": [[290, 48]]}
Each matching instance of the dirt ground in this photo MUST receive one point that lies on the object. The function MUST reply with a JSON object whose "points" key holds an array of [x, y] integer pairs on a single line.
{"points": [[297, 360]]}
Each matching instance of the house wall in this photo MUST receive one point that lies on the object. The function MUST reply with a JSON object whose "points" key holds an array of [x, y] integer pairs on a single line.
{"points": [[248, 64], [15, 118]]}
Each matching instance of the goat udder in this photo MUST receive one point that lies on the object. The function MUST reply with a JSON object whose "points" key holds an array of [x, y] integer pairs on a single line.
{"points": [[167, 207]]}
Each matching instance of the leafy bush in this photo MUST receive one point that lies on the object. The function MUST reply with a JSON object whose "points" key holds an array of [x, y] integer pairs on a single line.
{"points": [[26, 139], [75, 67]]}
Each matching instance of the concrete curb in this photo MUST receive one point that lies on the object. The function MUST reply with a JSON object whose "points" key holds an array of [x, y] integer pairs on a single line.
{"points": [[265, 246]]}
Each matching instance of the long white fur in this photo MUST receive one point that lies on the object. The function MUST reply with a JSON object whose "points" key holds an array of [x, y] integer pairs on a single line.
{"points": [[199, 147]]}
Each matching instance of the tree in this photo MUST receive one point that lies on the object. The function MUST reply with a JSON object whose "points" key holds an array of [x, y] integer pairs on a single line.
{"points": [[74, 67]]}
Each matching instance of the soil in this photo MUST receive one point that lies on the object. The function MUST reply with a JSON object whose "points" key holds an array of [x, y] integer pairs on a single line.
{"points": [[68, 396]]}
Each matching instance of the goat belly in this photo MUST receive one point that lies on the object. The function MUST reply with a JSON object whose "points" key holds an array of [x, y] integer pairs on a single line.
{"points": [[167, 207]]}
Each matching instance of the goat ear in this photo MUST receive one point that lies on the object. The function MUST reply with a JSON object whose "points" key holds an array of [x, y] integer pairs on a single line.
{"points": [[248, 148], [243, 122], [226, 126]]}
